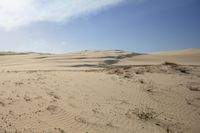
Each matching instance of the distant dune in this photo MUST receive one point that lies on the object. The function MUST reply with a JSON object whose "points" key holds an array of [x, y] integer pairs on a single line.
{"points": [[109, 91], [184, 57], [30, 60]]}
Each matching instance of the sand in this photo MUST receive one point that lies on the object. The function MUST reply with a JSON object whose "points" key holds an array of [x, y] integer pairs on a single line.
{"points": [[109, 91]]}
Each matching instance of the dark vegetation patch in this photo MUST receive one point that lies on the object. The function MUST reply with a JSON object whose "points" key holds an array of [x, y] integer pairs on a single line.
{"points": [[127, 55], [84, 65], [129, 71], [144, 113], [14, 53], [108, 62], [177, 67], [41, 57], [170, 64], [183, 70], [147, 114], [111, 57]]}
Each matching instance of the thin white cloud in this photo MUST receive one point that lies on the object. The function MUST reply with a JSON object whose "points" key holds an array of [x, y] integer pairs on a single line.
{"points": [[18, 13]]}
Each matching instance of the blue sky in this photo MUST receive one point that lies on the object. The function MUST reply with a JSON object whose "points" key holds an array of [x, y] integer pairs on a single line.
{"points": [[133, 25]]}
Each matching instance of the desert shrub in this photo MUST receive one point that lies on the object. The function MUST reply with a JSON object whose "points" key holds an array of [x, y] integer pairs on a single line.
{"points": [[145, 113], [170, 64]]}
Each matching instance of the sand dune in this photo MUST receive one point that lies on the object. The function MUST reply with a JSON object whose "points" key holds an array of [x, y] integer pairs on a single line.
{"points": [[184, 57], [108, 91]]}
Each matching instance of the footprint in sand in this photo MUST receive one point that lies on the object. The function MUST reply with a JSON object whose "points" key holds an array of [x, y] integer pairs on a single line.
{"points": [[27, 97], [54, 95], [52, 108], [19, 83], [2, 103]]}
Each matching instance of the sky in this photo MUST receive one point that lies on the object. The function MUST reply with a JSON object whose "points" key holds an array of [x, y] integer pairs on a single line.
{"points": [[75, 25]]}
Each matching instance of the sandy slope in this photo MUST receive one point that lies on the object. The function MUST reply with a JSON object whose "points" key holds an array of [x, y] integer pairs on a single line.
{"points": [[100, 92], [184, 57]]}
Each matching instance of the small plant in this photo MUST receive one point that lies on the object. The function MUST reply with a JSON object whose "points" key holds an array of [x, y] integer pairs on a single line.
{"points": [[19, 83], [110, 124], [141, 81], [182, 70], [146, 113], [139, 72], [142, 113], [170, 64]]}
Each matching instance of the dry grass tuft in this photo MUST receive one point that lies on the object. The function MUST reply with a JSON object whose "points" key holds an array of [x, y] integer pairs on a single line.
{"points": [[142, 113]]}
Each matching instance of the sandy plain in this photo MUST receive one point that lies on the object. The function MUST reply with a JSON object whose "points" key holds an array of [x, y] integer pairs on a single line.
{"points": [[110, 91]]}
